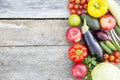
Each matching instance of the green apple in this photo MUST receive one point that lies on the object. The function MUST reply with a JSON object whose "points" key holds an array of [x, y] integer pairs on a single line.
{"points": [[74, 20]]}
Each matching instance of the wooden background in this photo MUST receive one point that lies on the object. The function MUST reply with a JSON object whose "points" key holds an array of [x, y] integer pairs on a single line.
{"points": [[34, 49]]}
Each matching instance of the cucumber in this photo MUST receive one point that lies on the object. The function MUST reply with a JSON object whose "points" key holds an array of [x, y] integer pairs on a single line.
{"points": [[117, 29], [105, 48], [110, 45], [116, 44], [93, 23]]}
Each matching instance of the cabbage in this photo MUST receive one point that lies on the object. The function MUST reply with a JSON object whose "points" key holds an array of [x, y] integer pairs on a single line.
{"points": [[105, 71]]}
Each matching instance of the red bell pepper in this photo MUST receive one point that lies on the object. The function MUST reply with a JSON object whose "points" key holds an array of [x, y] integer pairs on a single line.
{"points": [[77, 52]]}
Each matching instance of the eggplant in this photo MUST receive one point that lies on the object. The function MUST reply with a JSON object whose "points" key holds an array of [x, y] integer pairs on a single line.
{"points": [[92, 43]]}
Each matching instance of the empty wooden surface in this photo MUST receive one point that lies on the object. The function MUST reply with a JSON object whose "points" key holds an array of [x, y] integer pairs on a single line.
{"points": [[33, 32], [33, 9]]}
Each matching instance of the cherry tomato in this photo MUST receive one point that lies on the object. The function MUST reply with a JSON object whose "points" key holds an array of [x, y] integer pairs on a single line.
{"points": [[77, 1], [88, 1], [111, 58], [85, 11], [70, 6], [76, 6], [106, 56], [71, 1], [85, 6], [72, 11], [117, 60], [106, 60], [82, 2], [112, 63], [116, 54], [79, 12], [80, 7]]}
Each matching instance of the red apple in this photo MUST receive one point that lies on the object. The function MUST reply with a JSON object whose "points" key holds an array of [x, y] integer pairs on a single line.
{"points": [[107, 22], [79, 70], [74, 34]]}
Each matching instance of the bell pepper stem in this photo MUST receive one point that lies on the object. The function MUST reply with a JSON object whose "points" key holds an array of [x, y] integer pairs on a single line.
{"points": [[79, 52], [97, 5]]}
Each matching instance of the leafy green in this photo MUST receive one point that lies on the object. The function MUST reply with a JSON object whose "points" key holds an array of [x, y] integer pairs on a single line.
{"points": [[90, 62]]}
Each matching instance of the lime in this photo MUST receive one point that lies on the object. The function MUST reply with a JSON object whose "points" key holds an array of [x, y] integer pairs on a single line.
{"points": [[74, 20]]}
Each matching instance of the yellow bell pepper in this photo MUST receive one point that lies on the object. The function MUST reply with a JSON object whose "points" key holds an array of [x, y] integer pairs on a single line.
{"points": [[97, 8]]}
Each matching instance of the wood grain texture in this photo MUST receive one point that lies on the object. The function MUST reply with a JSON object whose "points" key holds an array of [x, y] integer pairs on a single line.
{"points": [[35, 63], [33, 32], [34, 9]]}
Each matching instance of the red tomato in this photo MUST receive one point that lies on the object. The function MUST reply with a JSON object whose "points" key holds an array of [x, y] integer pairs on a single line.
{"points": [[79, 12], [77, 1], [80, 7], [76, 6], [71, 1], [117, 60], [73, 11], [85, 6], [106, 56], [88, 1], [111, 58], [112, 63], [82, 2], [106, 60], [85, 11], [116, 54], [70, 6]]}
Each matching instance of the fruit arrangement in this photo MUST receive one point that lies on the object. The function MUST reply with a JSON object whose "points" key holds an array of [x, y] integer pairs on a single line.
{"points": [[94, 34]]}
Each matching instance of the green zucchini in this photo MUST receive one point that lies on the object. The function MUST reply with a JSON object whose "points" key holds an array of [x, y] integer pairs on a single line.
{"points": [[93, 23], [116, 44], [117, 29], [110, 45], [105, 48]]}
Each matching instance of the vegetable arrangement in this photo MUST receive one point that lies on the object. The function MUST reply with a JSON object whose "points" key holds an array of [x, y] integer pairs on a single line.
{"points": [[97, 24]]}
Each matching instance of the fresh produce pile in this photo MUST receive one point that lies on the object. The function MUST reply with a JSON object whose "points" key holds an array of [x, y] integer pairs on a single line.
{"points": [[94, 34]]}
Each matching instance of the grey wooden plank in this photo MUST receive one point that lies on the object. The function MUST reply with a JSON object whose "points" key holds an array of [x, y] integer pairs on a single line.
{"points": [[34, 55], [35, 63], [33, 9], [33, 32]]}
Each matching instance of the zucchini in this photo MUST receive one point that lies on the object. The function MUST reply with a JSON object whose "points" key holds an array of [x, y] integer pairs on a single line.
{"points": [[93, 23], [114, 9], [116, 44], [110, 45], [105, 48], [117, 29]]}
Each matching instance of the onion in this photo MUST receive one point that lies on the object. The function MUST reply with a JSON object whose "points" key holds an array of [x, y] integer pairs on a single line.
{"points": [[101, 35]]}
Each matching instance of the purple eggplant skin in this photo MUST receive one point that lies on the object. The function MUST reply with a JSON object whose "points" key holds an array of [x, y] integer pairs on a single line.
{"points": [[93, 45], [101, 35]]}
